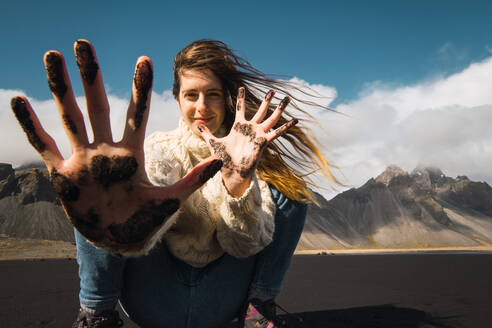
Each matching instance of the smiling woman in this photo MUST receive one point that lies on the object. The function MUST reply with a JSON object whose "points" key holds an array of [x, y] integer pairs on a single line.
{"points": [[205, 224], [201, 100]]}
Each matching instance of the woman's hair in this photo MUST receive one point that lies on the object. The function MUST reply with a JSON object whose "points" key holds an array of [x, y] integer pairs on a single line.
{"points": [[287, 167]]}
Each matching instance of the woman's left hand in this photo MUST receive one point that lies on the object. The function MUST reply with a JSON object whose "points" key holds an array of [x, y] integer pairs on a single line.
{"points": [[241, 149]]}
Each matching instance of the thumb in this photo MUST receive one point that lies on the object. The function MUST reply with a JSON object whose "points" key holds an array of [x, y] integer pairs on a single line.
{"points": [[193, 180]]}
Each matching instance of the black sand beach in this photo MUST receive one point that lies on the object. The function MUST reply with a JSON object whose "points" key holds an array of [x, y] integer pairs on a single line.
{"points": [[389, 290]]}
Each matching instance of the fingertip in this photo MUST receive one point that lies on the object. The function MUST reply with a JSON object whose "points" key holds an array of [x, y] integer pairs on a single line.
{"points": [[17, 99], [203, 128], [55, 69], [144, 74], [143, 80], [241, 102], [28, 123], [291, 123], [284, 102], [216, 164], [86, 61], [144, 68], [81, 41], [145, 59], [212, 168], [18, 103], [51, 55], [269, 95], [241, 92], [82, 46], [204, 131]]}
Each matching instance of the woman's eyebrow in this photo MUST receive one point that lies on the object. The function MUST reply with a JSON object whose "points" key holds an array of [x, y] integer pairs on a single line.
{"points": [[196, 90]]}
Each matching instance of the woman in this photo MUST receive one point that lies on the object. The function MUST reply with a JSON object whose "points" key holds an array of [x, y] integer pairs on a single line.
{"points": [[217, 253]]}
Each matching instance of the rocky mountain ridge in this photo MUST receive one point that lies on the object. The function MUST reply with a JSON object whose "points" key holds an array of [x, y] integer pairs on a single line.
{"points": [[29, 207], [424, 208]]}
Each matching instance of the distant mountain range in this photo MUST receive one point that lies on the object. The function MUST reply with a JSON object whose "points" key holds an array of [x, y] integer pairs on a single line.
{"points": [[395, 210], [400, 210]]}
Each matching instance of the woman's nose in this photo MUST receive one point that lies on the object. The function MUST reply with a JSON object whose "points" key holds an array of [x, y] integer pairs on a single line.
{"points": [[201, 103]]}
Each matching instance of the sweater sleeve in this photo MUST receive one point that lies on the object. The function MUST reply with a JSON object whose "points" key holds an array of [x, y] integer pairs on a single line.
{"points": [[246, 224]]}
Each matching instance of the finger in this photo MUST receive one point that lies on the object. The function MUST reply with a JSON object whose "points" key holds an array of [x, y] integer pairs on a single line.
{"points": [[37, 136], [240, 104], [138, 110], [194, 179], [59, 82], [260, 114], [209, 138], [272, 120], [95, 95], [206, 133], [281, 130]]}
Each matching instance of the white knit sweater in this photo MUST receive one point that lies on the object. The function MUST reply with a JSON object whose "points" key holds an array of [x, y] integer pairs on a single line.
{"points": [[211, 221]]}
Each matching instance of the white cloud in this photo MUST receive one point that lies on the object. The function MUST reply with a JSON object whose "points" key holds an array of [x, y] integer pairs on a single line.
{"points": [[444, 122], [15, 149]]}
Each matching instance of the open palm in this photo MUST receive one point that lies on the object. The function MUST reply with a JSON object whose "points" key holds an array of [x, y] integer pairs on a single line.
{"points": [[103, 186], [241, 149]]}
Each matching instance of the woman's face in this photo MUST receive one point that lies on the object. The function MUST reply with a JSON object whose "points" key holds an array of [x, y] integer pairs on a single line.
{"points": [[201, 99]]}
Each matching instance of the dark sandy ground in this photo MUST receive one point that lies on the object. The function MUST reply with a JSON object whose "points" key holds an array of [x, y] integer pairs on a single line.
{"points": [[392, 290]]}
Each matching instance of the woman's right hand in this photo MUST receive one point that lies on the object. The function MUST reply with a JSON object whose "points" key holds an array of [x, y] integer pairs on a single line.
{"points": [[103, 186]]}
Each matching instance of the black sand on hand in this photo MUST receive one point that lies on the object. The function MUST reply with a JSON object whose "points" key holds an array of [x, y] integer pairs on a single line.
{"points": [[67, 120], [56, 80], [19, 107], [143, 79], [110, 170], [64, 187], [210, 170], [138, 227], [86, 61]]}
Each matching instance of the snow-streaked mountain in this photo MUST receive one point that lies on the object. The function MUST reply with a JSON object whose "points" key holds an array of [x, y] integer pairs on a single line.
{"points": [[400, 210]]}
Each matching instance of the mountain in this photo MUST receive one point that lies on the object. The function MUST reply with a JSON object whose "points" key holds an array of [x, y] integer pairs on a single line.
{"points": [[400, 210], [424, 208], [29, 207]]}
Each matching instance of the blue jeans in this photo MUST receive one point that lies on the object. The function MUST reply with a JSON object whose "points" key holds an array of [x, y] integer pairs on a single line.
{"points": [[159, 290]]}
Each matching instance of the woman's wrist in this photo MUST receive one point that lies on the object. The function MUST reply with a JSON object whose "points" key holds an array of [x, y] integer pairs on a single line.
{"points": [[235, 184]]}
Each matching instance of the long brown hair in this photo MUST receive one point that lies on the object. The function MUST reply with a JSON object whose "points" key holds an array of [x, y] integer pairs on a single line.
{"points": [[287, 167]]}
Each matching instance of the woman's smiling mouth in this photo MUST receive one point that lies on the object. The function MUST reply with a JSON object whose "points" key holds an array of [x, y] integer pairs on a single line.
{"points": [[202, 120]]}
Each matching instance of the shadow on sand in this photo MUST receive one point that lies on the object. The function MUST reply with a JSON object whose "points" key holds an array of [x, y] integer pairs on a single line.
{"points": [[380, 316]]}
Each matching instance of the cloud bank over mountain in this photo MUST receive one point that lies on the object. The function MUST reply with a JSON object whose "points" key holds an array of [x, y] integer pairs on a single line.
{"points": [[443, 122]]}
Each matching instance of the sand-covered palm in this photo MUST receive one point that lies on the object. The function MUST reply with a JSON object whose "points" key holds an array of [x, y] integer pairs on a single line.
{"points": [[241, 149], [103, 186]]}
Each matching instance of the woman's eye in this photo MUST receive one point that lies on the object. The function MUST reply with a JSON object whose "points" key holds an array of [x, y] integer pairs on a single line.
{"points": [[191, 95]]}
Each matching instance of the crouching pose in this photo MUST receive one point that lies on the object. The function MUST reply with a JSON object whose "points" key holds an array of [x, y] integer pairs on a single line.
{"points": [[192, 227]]}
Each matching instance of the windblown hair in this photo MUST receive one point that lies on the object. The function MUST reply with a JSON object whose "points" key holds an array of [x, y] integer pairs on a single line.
{"points": [[287, 167]]}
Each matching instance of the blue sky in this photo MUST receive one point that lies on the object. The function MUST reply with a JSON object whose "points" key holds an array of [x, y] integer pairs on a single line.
{"points": [[341, 43], [358, 52]]}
